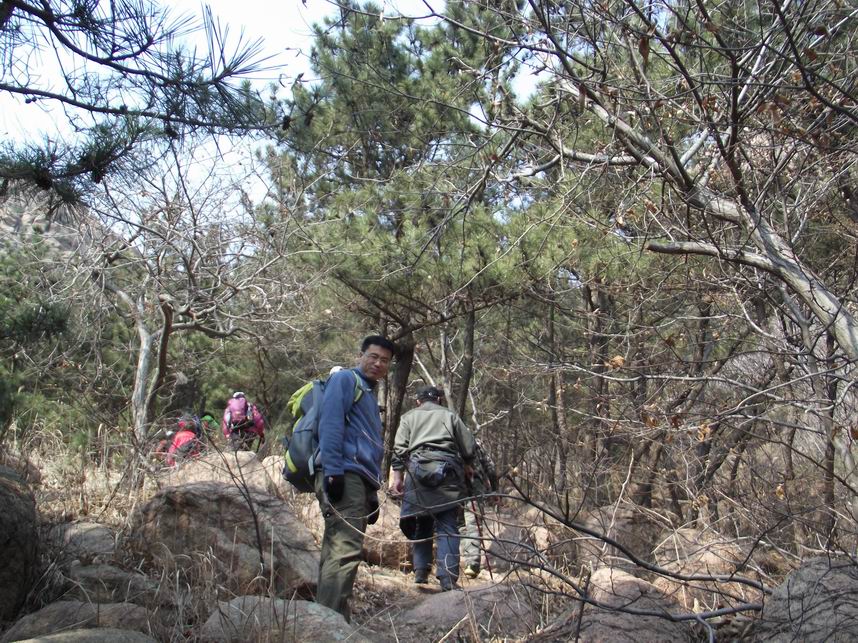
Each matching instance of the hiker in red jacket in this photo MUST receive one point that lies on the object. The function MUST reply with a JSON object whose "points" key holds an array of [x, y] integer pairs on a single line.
{"points": [[186, 441], [242, 423]]}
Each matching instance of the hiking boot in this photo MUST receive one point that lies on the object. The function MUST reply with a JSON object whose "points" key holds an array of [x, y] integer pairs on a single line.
{"points": [[447, 584], [421, 576], [472, 570]]}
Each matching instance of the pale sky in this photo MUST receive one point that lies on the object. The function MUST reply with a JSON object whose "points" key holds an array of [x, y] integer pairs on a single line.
{"points": [[285, 27]]}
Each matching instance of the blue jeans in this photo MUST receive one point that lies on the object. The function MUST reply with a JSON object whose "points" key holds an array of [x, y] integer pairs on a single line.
{"points": [[447, 535]]}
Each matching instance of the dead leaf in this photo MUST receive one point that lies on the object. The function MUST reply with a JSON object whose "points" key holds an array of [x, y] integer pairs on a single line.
{"points": [[643, 49], [617, 361], [779, 492]]}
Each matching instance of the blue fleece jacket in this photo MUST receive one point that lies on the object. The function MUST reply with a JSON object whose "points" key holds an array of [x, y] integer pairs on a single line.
{"points": [[350, 434]]}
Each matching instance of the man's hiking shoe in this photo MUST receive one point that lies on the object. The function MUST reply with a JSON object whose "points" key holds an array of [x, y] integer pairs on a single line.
{"points": [[421, 576], [472, 571], [447, 584]]}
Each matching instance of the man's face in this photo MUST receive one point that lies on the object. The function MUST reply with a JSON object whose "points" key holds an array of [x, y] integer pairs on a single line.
{"points": [[374, 362]]}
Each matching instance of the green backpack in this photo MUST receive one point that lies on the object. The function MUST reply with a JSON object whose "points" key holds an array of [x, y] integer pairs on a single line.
{"points": [[302, 448]]}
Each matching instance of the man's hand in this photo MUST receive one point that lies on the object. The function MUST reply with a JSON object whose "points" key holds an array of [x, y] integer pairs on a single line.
{"points": [[469, 472], [335, 487], [397, 483]]}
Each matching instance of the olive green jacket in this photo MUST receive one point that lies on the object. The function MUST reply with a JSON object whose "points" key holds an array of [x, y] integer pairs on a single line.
{"points": [[432, 445], [432, 427]]}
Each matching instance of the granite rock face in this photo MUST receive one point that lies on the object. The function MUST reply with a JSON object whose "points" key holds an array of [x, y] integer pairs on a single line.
{"points": [[19, 536]]}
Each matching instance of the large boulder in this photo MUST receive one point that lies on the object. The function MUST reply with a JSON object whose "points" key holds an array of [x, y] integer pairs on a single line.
{"points": [[19, 539], [817, 602], [249, 541], [384, 543], [258, 618], [273, 466], [627, 525], [109, 584], [69, 615], [611, 617], [87, 541], [617, 590], [23, 466], [695, 552], [513, 539], [306, 508], [497, 611], [240, 469]]}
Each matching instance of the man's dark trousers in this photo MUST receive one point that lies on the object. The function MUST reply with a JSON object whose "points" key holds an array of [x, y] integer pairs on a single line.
{"points": [[342, 543]]}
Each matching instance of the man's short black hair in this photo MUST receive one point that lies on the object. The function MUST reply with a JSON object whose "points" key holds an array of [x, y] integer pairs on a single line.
{"points": [[430, 393], [378, 340]]}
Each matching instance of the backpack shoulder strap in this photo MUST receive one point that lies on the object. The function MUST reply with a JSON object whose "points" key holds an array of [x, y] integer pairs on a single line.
{"points": [[358, 388]]}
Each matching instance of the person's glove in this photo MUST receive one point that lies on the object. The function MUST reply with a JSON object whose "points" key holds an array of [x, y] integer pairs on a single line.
{"points": [[335, 486], [372, 518]]}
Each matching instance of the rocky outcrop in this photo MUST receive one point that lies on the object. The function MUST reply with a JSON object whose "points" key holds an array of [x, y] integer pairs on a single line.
{"points": [[692, 552], [22, 465], [109, 584], [273, 466], [87, 541], [625, 609], [384, 543], [19, 538], [817, 602], [240, 469], [627, 525], [250, 542], [68, 615], [513, 539], [501, 611], [258, 618]]}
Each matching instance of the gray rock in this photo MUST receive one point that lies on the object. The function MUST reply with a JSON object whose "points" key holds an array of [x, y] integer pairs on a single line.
{"points": [[249, 542], [19, 537], [108, 584], [817, 602], [69, 615], [22, 465], [273, 466], [258, 618], [697, 552], [84, 540], [628, 525], [241, 469], [501, 611], [615, 590]]}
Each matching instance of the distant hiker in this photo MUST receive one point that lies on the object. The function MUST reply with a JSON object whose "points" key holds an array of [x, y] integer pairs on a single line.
{"points": [[351, 449], [160, 452], [485, 480], [186, 442], [208, 424], [242, 423], [432, 460]]}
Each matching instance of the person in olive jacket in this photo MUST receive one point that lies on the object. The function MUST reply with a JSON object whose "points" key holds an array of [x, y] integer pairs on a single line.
{"points": [[432, 462]]}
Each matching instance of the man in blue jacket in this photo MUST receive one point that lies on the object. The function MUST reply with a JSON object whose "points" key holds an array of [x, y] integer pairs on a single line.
{"points": [[351, 448]]}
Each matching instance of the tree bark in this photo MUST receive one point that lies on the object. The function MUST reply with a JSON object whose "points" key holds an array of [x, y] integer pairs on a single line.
{"points": [[396, 396]]}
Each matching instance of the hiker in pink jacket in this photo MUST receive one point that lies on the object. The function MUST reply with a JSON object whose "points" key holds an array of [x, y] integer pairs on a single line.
{"points": [[242, 423]]}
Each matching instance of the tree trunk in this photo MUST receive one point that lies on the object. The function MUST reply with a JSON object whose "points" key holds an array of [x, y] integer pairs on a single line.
{"points": [[467, 363], [396, 396], [140, 393]]}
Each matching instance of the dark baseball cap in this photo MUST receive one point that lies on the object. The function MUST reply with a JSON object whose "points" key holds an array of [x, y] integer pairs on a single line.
{"points": [[429, 393]]}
